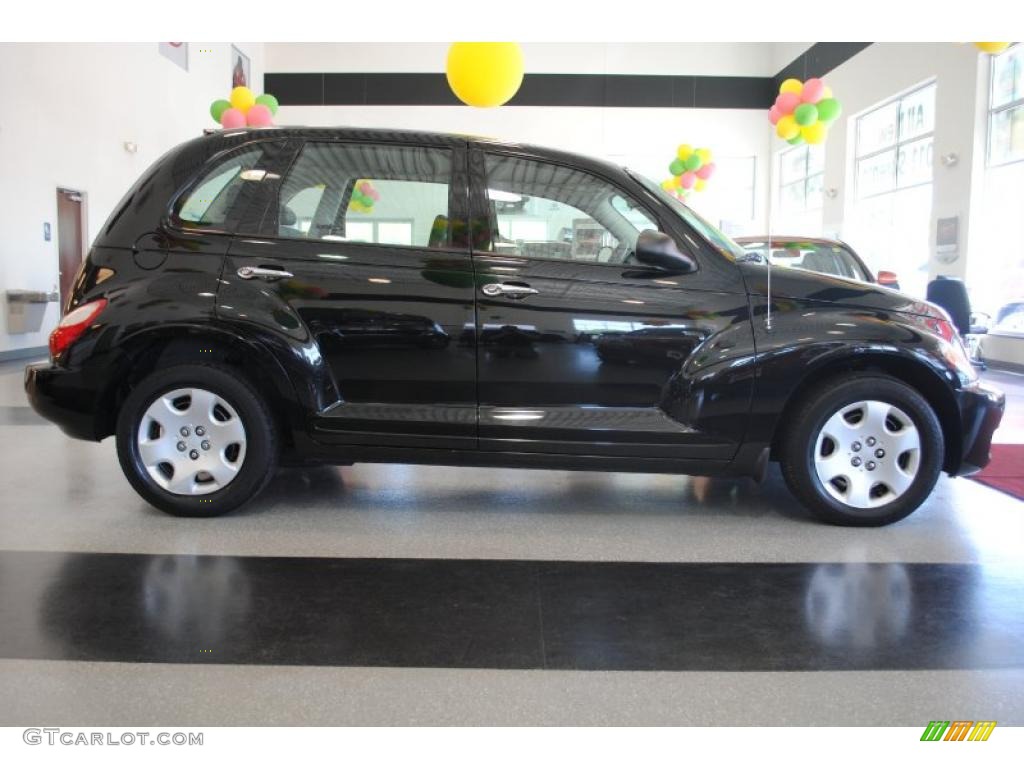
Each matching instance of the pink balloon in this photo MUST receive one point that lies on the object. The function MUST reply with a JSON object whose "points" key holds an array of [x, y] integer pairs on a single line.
{"points": [[374, 194], [787, 102], [774, 114], [705, 171], [688, 179], [232, 118], [259, 116], [813, 90]]}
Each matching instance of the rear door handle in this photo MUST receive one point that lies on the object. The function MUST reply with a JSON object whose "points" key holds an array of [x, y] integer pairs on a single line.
{"points": [[263, 273], [509, 290]]}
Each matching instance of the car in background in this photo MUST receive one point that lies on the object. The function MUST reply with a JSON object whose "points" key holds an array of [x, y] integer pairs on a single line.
{"points": [[816, 254]]}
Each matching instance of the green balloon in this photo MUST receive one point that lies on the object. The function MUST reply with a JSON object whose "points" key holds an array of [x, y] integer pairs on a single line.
{"points": [[676, 167], [829, 110], [798, 139], [693, 162], [806, 114], [218, 107], [268, 101]]}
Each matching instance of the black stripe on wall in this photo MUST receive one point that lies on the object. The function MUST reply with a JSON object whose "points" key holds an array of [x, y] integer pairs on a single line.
{"points": [[538, 90], [509, 614], [556, 90], [819, 60]]}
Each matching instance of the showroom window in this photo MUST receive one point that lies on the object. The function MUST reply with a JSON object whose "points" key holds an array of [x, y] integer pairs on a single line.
{"points": [[893, 178], [801, 175], [549, 211], [995, 269], [1006, 107], [370, 194], [210, 202]]}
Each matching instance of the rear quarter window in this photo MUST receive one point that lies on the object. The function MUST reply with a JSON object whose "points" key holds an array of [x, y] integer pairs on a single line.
{"points": [[213, 200]]}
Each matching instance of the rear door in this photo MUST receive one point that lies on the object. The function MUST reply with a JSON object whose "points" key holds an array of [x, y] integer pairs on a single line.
{"points": [[581, 349], [358, 245]]}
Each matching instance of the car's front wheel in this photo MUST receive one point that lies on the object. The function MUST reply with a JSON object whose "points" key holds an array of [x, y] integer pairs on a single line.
{"points": [[863, 450], [196, 440]]}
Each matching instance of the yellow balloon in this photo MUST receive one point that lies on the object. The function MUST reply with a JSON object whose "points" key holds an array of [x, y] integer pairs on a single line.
{"points": [[787, 128], [668, 184], [700, 184], [814, 133], [684, 151], [704, 155], [484, 74], [993, 47], [242, 98], [792, 85]]}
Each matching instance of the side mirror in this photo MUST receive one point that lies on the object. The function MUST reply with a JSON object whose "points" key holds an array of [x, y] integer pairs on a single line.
{"points": [[888, 279], [656, 249]]}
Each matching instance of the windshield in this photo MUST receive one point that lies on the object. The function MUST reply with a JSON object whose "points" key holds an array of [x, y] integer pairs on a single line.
{"points": [[826, 258], [712, 234]]}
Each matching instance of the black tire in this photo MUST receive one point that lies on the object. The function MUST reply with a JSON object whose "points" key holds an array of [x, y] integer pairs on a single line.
{"points": [[257, 465], [798, 445]]}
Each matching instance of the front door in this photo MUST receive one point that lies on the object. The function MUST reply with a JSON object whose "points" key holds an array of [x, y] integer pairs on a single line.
{"points": [[359, 246], [581, 349]]}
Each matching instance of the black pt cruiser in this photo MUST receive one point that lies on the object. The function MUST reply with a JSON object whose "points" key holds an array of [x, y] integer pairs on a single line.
{"points": [[291, 296]]}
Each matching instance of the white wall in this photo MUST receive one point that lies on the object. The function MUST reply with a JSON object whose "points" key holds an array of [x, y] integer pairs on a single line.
{"points": [[68, 109], [740, 59], [784, 54]]}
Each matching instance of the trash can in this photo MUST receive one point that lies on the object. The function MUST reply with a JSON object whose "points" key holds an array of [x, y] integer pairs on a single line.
{"points": [[25, 310]]}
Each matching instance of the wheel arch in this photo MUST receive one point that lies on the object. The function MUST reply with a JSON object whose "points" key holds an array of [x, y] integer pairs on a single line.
{"points": [[910, 371], [149, 351]]}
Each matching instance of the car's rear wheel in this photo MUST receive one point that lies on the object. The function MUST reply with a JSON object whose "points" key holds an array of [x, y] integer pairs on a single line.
{"points": [[196, 440], [863, 450]]}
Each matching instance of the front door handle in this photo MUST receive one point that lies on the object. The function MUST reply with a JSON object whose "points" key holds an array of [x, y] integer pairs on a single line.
{"points": [[264, 273], [509, 290]]}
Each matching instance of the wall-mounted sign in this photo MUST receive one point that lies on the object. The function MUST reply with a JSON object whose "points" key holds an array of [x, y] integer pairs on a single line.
{"points": [[46, 231], [947, 239], [176, 52]]}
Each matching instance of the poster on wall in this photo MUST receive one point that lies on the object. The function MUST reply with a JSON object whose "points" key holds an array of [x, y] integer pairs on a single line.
{"points": [[176, 52], [239, 68]]}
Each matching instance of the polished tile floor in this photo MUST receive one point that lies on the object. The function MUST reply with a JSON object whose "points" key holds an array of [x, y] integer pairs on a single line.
{"points": [[399, 594]]}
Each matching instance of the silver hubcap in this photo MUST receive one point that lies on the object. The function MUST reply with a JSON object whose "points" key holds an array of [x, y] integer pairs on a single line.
{"points": [[191, 441], [867, 454]]}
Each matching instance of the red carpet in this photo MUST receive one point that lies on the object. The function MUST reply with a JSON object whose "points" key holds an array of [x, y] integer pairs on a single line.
{"points": [[1006, 470]]}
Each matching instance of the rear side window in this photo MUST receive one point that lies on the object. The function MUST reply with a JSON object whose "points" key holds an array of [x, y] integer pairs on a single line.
{"points": [[378, 194], [211, 202]]}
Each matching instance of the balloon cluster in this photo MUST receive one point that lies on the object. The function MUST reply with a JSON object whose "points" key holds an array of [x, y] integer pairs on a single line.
{"points": [[803, 111], [691, 168], [243, 108], [363, 197]]}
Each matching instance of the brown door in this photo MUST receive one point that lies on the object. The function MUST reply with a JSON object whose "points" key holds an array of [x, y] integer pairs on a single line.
{"points": [[69, 240]]}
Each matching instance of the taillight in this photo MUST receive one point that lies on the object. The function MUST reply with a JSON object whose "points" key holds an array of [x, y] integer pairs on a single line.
{"points": [[941, 327], [73, 325]]}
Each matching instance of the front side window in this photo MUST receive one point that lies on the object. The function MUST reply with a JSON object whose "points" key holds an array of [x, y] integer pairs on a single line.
{"points": [[212, 201], [547, 211], [378, 194]]}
